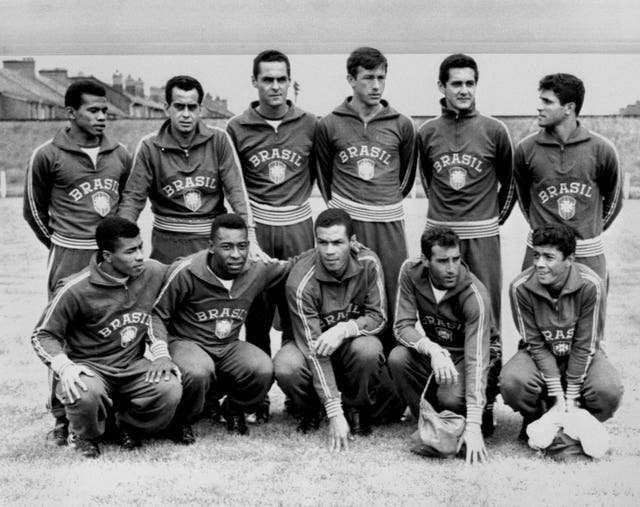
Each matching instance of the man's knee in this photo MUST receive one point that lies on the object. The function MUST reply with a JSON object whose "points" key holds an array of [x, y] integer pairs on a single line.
{"points": [[399, 360], [367, 350], [170, 391], [604, 399], [288, 364]]}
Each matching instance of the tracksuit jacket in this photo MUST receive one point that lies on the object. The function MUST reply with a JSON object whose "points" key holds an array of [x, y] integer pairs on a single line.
{"points": [[278, 164], [567, 329], [466, 164], [317, 301], [366, 168], [66, 195], [95, 320], [186, 187], [578, 183], [460, 323], [193, 304]]}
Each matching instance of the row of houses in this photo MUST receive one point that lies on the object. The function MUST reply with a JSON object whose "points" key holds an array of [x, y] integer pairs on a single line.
{"points": [[25, 95]]}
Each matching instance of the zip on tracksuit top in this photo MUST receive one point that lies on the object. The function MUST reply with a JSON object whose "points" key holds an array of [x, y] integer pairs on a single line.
{"points": [[194, 305], [569, 328], [186, 187], [94, 320], [578, 183], [278, 164], [66, 195], [460, 323], [318, 301], [366, 168], [466, 166]]}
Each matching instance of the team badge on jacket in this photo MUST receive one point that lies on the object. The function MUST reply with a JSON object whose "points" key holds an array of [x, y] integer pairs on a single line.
{"points": [[457, 177], [566, 207], [127, 335], [277, 171], [223, 328], [193, 200], [366, 168], [101, 203], [444, 334]]}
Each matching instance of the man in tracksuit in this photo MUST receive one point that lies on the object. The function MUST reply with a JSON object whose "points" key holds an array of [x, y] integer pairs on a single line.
{"points": [[186, 170], [92, 335], [366, 164], [274, 142], [337, 304], [559, 310], [566, 174], [72, 182], [454, 310], [200, 310]]}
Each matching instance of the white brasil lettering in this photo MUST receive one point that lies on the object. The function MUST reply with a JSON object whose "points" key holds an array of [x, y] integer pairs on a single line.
{"points": [[365, 151], [87, 187], [276, 154], [189, 182], [574, 187], [463, 159], [221, 313], [125, 320]]}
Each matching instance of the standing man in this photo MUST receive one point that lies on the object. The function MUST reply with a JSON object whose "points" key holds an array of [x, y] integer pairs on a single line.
{"points": [[72, 182], [466, 164], [186, 170], [566, 174], [365, 151], [558, 307], [454, 310], [274, 141], [92, 335], [337, 304]]}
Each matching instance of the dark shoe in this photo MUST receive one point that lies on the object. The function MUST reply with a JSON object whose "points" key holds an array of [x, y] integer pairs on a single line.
{"points": [[310, 421], [291, 409], [260, 416], [182, 434], [212, 411], [488, 422], [60, 432], [85, 446], [522, 436], [358, 422], [129, 442], [236, 422]]}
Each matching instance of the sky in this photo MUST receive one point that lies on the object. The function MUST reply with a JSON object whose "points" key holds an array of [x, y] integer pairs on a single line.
{"points": [[507, 84]]}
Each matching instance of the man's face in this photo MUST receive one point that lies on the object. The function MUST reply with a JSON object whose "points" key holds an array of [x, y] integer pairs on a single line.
{"points": [[460, 89], [368, 85], [272, 83], [552, 267], [550, 111], [444, 266], [184, 110], [91, 116], [334, 248], [128, 257], [229, 249]]}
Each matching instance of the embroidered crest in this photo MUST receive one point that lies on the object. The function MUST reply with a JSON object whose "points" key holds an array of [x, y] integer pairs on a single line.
{"points": [[101, 203], [444, 334], [277, 170], [193, 200], [457, 177], [566, 207], [561, 348], [366, 168], [223, 328], [127, 335]]}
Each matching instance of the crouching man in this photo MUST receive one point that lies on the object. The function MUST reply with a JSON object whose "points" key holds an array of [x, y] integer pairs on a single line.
{"points": [[455, 312], [559, 310], [92, 335], [337, 305]]}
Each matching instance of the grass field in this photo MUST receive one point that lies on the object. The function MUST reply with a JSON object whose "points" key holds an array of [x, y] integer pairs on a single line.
{"points": [[275, 465]]}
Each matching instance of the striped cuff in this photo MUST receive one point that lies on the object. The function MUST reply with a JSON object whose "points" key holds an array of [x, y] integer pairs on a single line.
{"points": [[333, 407], [590, 247], [351, 329], [424, 346], [554, 386], [573, 390], [60, 362], [199, 226], [474, 415], [280, 215], [74, 243], [368, 212], [469, 230], [159, 349]]}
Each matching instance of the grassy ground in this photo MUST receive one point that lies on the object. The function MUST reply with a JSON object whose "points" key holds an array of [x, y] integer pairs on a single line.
{"points": [[275, 465]]}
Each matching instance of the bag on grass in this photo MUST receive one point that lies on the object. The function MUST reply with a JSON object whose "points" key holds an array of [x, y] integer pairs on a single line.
{"points": [[438, 434], [563, 448]]}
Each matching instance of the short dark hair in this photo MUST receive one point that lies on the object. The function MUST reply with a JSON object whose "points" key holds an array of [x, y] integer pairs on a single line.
{"points": [[111, 229], [334, 216], [73, 95], [440, 236], [367, 58], [456, 61], [185, 83], [560, 236], [567, 87], [270, 55], [227, 221]]}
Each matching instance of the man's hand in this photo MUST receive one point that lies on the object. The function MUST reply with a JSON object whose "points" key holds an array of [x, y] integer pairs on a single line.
{"points": [[162, 368], [329, 341], [257, 254], [339, 433], [472, 438], [443, 368], [70, 381]]}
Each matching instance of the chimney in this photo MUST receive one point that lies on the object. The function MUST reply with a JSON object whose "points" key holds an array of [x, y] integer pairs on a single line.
{"points": [[156, 93], [117, 82], [130, 85], [25, 67], [58, 75], [139, 87]]}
